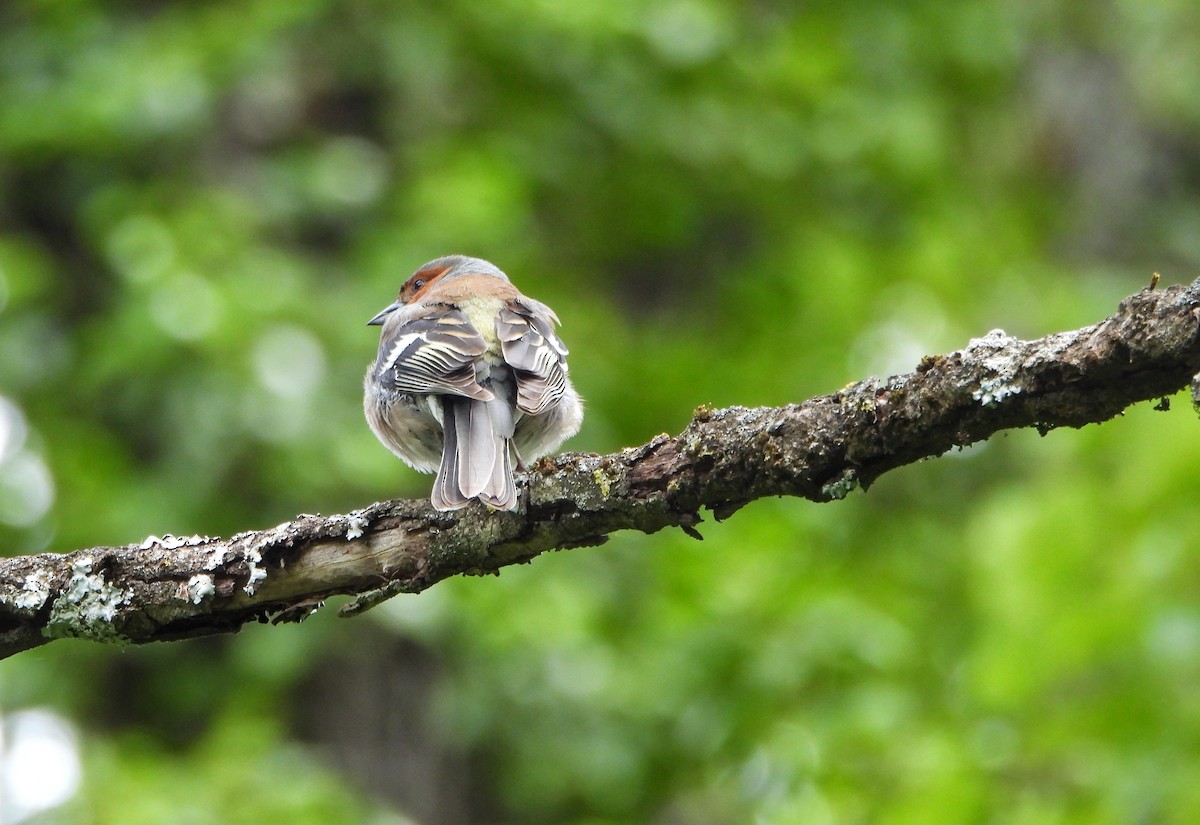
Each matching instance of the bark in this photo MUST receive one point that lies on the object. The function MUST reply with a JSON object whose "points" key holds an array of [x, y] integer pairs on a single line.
{"points": [[173, 588]]}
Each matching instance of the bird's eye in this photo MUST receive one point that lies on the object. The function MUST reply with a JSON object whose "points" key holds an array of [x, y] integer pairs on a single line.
{"points": [[417, 284]]}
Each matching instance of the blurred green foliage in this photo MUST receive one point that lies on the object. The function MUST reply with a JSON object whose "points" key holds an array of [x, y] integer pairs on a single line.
{"points": [[201, 204]]}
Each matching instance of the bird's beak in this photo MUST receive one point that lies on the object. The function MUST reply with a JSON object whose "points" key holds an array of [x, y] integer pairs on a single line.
{"points": [[383, 314]]}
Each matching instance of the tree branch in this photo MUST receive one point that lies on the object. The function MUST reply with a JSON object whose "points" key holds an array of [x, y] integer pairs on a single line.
{"points": [[822, 449]]}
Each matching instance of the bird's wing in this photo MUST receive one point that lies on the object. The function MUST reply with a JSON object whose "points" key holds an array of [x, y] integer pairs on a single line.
{"points": [[432, 349], [535, 352]]}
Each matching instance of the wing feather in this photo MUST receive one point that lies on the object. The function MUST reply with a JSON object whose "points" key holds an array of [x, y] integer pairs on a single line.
{"points": [[535, 353], [434, 351]]}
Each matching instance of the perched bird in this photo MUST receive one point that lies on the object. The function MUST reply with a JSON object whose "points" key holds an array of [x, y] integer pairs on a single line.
{"points": [[470, 381]]}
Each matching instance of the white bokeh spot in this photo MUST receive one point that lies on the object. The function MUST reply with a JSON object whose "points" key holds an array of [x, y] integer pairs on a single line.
{"points": [[39, 763]]}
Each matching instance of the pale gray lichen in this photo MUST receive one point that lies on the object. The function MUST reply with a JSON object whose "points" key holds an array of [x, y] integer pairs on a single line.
{"points": [[170, 542], [992, 339], [994, 390], [216, 558], [257, 574], [34, 592], [355, 524], [199, 586], [86, 607], [1000, 363], [842, 486]]}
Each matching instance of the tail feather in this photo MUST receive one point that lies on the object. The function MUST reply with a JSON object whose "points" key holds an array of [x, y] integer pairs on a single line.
{"points": [[447, 494], [477, 449], [501, 489], [476, 455]]}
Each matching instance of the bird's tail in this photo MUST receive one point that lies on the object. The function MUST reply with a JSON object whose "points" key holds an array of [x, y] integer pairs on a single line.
{"points": [[477, 456]]}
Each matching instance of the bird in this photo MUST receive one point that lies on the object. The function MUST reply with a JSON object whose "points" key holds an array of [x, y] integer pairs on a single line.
{"points": [[470, 381]]}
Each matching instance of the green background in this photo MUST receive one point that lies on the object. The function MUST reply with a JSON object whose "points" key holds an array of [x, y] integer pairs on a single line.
{"points": [[201, 204]]}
